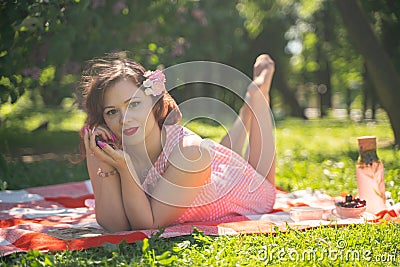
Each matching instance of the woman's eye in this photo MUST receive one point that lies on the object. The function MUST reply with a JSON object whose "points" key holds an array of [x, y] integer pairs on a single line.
{"points": [[133, 104], [111, 112]]}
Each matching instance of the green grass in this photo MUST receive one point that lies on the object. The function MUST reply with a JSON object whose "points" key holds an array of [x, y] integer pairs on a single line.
{"points": [[358, 245], [323, 154], [316, 154]]}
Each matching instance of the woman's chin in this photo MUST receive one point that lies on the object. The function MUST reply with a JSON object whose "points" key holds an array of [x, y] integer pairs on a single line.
{"points": [[132, 140]]}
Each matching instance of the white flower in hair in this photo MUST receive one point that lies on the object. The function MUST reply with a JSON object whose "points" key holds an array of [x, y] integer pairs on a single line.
{"points": [[148, 83], [155, 83], [148, 91]]}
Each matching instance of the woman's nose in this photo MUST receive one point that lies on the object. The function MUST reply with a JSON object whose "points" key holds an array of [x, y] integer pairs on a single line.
{"points": [[125, 117], [121, 118]]}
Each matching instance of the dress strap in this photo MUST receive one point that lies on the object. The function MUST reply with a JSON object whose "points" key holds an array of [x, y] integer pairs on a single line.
{"points": [[174, 134]]}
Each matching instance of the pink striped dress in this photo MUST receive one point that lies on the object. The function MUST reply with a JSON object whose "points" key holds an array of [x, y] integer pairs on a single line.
{"points": [[234, 187]]}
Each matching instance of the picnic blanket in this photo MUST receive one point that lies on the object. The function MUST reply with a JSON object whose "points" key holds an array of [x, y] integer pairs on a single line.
{"points": [[61, 217]]}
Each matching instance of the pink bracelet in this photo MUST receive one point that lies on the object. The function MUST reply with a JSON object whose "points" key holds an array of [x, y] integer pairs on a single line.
{"points": [[106, 174]]}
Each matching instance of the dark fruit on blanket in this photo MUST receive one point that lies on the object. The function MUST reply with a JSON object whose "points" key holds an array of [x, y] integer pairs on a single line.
{"points": [[351, 207], [351, 202]]}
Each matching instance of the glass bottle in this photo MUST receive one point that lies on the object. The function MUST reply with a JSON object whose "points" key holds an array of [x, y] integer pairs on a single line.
{"points": [[370, 175]]}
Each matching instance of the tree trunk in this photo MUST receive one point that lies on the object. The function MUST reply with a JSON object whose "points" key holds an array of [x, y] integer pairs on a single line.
{"points": [[288, 96], [348, 101], [325, 33], [383, 74], [369, 100], [324, 86]]}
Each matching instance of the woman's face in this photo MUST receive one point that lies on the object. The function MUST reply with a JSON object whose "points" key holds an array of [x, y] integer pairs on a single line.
{"points": [[128, 112]]}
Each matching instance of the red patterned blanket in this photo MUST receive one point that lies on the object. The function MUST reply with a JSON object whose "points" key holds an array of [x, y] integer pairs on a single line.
{"points": [[59, 217]]}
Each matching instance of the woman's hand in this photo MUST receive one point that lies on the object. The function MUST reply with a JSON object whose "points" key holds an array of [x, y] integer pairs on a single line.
{"points": [[102, 132], [108, 154], [93, 152]]}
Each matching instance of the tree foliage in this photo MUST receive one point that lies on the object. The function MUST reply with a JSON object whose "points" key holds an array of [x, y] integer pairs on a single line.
{"points": [[44, 43], [378, 65]]}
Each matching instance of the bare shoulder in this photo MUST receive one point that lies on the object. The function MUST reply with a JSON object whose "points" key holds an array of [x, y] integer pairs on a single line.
{"points": [[188, 170], [191, 155]]}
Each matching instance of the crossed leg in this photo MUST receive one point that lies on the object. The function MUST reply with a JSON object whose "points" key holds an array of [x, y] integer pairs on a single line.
{"points": [[255, 120]]}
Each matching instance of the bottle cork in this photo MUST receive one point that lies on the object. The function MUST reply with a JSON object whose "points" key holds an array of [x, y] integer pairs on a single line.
{"points": [[366, 143]]}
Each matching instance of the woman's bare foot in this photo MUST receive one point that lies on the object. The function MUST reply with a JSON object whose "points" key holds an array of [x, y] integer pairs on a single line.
{"points": [[264, 68], [263, 71]]}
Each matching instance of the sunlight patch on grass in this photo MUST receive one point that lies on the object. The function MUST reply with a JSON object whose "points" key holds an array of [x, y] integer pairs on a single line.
{"points": [[24, 115], [214, 132], [74, 122], [323, 154]]}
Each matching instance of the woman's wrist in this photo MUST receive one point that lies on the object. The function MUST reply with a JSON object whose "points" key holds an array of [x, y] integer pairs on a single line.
{"points": [[128, 172], [102, 173]]}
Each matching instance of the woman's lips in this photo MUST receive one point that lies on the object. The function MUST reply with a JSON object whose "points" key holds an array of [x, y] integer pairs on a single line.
{"points": [[131, 131]]}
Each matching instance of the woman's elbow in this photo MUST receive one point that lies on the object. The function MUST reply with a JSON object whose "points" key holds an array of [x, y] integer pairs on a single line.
{"points": [[112, 225]]}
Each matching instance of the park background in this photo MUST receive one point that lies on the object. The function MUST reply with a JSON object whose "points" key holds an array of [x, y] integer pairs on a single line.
{"points": [[335, 61]]}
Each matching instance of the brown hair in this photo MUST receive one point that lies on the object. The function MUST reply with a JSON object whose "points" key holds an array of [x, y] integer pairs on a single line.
{"points": [[99, 74], [102, 73]]}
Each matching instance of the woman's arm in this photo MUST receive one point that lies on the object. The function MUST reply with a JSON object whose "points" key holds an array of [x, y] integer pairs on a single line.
{"points": [[189, 169], [110, 212]]}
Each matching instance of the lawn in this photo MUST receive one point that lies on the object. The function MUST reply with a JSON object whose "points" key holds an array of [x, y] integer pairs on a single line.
{"points": [[315, 154]]}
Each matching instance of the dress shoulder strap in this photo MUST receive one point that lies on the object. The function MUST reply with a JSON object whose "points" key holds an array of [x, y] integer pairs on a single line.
{"points": [[174, 134]]}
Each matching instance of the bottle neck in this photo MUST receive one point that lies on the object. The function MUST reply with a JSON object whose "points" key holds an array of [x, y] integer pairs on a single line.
{"points": [[368, 157]]}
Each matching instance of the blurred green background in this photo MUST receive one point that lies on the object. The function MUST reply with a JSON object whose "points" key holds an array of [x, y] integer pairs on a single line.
{"points": [[329, 81]]}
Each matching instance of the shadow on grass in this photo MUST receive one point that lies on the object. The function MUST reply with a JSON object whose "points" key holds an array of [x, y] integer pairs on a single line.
{"points": [[39, 158], [16, 174], [16, 142]]}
